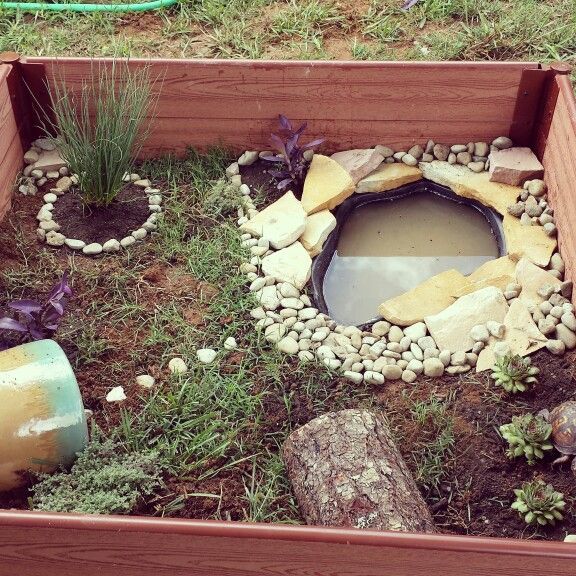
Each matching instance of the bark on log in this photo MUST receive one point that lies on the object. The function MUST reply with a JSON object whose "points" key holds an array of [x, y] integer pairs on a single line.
{"points": [[346, 471]]}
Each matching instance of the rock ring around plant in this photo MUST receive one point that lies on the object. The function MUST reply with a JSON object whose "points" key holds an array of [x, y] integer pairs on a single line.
{"points": [[52, 167]]}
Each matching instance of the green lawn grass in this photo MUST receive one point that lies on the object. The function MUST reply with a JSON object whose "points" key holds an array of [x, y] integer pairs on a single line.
{"points": [[326, 29]]}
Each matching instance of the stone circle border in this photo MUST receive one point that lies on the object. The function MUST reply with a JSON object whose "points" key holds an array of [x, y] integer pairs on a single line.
{"points": [[48, 230]]}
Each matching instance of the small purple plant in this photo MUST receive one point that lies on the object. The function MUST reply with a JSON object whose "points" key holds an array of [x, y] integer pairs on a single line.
{"points": [[36, 320], [290, 154]]}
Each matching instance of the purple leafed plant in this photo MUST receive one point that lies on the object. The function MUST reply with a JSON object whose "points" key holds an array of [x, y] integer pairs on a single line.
{"points": [[290, 154], [36, 320]]}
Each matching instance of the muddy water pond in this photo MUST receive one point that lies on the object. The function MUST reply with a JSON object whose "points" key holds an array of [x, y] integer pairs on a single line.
{"points": [[386, 248]]}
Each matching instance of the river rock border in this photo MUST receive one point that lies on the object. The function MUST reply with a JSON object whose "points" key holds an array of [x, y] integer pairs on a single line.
{"points": [[44, 164], [288, 319]]}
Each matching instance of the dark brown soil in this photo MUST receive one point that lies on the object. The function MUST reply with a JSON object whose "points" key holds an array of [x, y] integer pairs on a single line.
{"points": [[98, 224], [257, 177], [475, 495]]}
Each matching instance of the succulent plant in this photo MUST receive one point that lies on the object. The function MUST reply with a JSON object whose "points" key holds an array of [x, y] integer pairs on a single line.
{"points": [[527, 435], [538, 503], [514, 373]]}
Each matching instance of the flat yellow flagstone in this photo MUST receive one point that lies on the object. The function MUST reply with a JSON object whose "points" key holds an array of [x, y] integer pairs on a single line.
{"points": [[327, 185], [498, 272], [389, 176], [532, 278], [521, 334], [318, 228], [528, 241], [476, 186], [428, 298]]}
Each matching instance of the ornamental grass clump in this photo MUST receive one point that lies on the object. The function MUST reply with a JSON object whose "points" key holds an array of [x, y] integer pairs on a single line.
{"points": [[527, 435], [514, 373], [538, 503], [100, 128]]}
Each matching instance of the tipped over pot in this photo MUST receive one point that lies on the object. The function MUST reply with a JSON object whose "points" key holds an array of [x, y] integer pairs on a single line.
{"points": [[42, 420]]}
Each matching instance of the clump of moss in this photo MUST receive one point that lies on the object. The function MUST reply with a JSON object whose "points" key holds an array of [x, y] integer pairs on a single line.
{"points": [[527, 435], [105, 479], [538, 503], [514, 373]]}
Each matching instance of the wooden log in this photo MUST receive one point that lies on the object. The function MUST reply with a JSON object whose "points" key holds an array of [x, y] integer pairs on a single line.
{"points": [[346, 471]]}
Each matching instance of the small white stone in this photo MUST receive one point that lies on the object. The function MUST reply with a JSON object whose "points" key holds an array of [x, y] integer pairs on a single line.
{"points": [[288, 345], [50, 197], [497, 329], [245, 190], [177, 366], [145, 183], [55, 238], [145, 381], [433, 367], [92, 249], [111, 245], [206, 355], [372, 377], [74, 244], [248, 158], [257, 284], [233, 169], [353, 376], [128, 241], [479, 333], [47, 144], [44, 215], [230, 343], [116, 394], [408, 376], [139, 234], [155, 208]]}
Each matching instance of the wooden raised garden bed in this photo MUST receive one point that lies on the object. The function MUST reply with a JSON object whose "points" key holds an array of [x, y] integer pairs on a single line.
{"points": [[234, 104]]}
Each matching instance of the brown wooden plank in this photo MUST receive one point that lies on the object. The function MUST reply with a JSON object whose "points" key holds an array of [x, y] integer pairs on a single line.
{"points": [[248, 95], [560, 168], [10, 144], [33, 544], [201, 133], [533, 85], [8, 126]]}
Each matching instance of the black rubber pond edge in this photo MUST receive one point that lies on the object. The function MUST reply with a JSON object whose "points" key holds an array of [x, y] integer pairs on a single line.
{"points": [[322, 261]]}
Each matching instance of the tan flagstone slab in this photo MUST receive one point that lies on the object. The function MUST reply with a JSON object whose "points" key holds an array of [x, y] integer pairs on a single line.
{"points": [[498, 272], [532, 278], [451, 327], [527, 241], [521, 334], [292, 264], [327, 185], [318, 228], [429, 297], [389, 176], [358, 163], [476, 186], [281, 223]]}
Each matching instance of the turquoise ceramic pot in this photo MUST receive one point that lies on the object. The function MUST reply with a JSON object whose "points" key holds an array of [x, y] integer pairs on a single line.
{"points": [[42, 420]]}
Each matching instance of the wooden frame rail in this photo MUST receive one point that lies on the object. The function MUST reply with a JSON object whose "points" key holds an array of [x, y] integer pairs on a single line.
{"points": [[34, 544], [235, 103]]}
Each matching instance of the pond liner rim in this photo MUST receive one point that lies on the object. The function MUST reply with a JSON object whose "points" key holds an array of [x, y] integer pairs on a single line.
{"points": [[322, 261]]}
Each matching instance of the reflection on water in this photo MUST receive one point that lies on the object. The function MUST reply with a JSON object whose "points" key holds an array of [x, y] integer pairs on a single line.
{"points": [[386, 248]]}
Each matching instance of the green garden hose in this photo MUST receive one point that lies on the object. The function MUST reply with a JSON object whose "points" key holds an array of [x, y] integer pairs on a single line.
{"points": [[39, 6]]}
